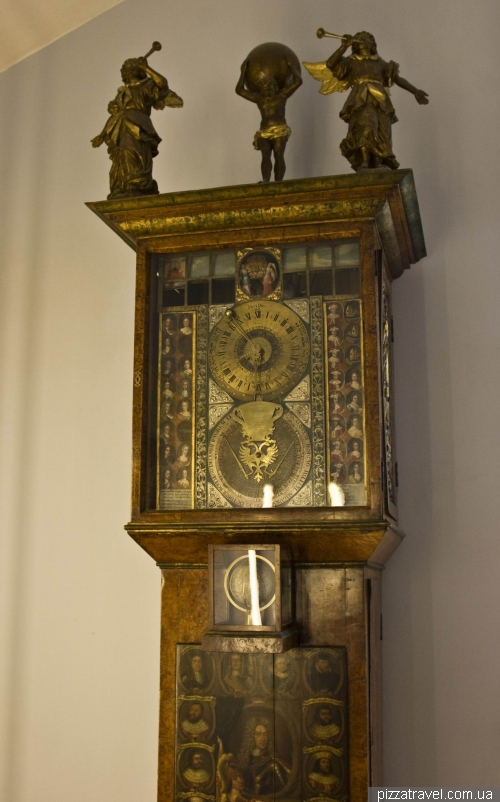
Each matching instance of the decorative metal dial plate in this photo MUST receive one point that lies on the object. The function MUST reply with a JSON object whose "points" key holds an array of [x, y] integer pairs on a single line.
{"points": [[261, 349], [233, 475]]}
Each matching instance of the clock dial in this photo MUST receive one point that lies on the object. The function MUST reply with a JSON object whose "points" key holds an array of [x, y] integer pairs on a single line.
{"points": [[259, 348]]}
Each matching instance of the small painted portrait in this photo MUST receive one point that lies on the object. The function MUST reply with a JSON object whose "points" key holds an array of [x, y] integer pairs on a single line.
{"points": [[196, 721], [352, 310], [167, 479], [353, 378], [237, 673], [322, 777], [335, 336], [355, 473], [264, 759], [183, 456], [352, 332], [186, 368], [353, 355], [323, 674], [168, 455], [323, 722], [337, 449], [169, 325], [184, 388], [335, 313], [168, 390], [168, 348], [184, 409], [355, 449], [186, 327], [196, 768], [336, 379], [355, 402], [168, 411], [168, 368], [337, 402], [337, 472], [195, 671], [282, 675], [175, 268], [259, 274], [337, 425], [167, 434], [183, 479], [355, 426], [335, 357]]}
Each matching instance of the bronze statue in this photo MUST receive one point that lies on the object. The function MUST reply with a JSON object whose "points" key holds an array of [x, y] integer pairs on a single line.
{"points": [[269, 76], [129, 133], [368, 110]]}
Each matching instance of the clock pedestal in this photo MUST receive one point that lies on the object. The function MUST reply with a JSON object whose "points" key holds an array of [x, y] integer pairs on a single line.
{"points": [[279, 295]]}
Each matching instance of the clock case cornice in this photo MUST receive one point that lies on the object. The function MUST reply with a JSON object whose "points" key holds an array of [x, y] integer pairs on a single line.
{"points": [[386, 197]]}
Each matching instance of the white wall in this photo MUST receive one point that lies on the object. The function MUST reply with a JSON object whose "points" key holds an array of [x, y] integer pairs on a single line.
{"points": [[80, 601]]}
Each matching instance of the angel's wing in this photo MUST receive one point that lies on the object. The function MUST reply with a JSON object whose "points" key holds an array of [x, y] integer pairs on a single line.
{"points": [[320, 72], [172, 100]]}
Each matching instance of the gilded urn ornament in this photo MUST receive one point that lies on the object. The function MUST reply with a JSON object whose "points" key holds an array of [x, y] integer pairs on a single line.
{"points": [[269, 76], [129, 134], [368, 110]]}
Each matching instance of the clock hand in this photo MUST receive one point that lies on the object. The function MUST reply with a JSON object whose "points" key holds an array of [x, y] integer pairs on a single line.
{"points": [[231, 315]]}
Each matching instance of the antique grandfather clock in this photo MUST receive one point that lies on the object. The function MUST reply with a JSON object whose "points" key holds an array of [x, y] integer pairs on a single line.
{"points": [[264, 474]]}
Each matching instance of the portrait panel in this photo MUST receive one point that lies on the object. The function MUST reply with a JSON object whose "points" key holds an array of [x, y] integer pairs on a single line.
{"points": [[355, 474], [354, 379], [355, 426], [259, 274], [195, 671], [355, 449], [352, 310], [196, 721], [324, 673], [196, 767], [323, 771], [238, 673], [324, 722], [355, 402]]}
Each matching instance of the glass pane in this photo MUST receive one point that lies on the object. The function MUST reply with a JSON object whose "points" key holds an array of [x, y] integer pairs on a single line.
{"points": [[320, 282], [294, 286], [200, 266], [224, 264], [320, 256], [347, 281], [175, 267], [347, 254], [295, 259], [197, 292], [223, 291], [232, 589], [173, 294]]}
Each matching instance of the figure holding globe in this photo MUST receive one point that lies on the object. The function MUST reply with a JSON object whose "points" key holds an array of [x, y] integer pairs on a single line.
{"points": [[269, 76]]}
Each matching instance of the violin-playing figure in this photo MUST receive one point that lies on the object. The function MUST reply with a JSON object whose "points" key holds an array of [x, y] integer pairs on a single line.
{"points": [[129, 133], [368, 110]]}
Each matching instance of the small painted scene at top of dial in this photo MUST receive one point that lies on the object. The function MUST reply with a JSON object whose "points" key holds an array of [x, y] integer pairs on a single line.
{"points": [[258, 274]]}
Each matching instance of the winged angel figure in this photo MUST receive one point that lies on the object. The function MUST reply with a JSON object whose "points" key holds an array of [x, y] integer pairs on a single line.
{"points": [[368, 110], [129, 133]]}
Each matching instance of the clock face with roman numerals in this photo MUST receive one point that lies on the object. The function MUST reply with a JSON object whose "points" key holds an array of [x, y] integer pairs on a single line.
{"points": [[259, 348]]}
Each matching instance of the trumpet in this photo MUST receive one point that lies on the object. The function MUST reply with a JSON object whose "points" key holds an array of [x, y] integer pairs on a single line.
{"points": [[320, 33], [154, 46]]}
